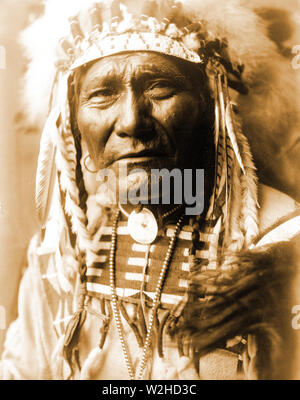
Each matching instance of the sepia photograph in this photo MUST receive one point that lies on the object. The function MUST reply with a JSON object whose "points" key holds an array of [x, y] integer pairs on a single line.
{"points": [[150, 192]]}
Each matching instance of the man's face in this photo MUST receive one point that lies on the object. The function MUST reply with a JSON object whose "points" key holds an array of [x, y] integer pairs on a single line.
{"points": [[141, 110]]}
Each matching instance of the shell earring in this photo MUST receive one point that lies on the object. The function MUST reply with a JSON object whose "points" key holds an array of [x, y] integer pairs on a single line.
{"points": [[86, 166]]}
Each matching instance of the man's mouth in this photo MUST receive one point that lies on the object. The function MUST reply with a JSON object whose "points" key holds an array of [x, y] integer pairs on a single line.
{"points": [[140, 156]]}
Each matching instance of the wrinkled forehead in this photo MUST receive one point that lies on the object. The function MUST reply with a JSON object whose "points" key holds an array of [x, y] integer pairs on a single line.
{"points": [[139, 65]]}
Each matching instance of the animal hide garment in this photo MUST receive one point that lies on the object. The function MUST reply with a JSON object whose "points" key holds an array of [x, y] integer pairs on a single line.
{"points": [[254, 295]]}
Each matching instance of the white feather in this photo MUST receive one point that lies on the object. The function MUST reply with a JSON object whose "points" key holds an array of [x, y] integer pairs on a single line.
{"points": [[92, 364], [46, 170], [249, 212], [232, 136]]}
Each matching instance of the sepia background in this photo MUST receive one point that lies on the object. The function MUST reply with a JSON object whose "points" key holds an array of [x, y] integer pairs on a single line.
{"points": [[19, 142]]}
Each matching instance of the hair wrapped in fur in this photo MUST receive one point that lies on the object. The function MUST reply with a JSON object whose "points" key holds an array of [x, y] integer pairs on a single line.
{"points": [[254, 295]]}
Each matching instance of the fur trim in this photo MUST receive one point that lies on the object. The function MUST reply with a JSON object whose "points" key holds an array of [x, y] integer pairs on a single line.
{"points": [[255, 296]]}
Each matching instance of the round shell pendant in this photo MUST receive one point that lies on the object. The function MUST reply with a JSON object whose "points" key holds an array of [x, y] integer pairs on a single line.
{"points": [[142, 226]]}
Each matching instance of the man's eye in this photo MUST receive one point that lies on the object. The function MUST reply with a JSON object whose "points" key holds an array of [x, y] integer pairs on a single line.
{"points": [[161, 90], [102, 93]]}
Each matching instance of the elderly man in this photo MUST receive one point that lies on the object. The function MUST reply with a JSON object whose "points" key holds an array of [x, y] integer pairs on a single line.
{"points": [[177, 281]]}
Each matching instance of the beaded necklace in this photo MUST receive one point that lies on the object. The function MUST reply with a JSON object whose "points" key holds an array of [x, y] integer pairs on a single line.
{"points": [[156, 300]]}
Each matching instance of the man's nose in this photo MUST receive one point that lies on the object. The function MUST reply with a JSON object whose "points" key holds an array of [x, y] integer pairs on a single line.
{"points": [[133, 118]]}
